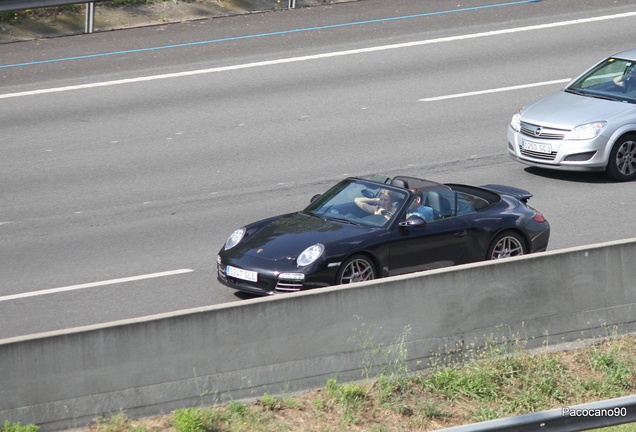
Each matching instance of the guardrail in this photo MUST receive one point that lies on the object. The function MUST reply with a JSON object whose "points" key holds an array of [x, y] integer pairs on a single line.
{"points": [[587, 416], [18, 5]]}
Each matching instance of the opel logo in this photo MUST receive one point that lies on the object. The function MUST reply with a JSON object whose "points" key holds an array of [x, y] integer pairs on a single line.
{"points": [[537, 131]]}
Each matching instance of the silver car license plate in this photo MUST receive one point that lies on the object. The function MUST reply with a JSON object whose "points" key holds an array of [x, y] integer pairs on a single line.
{"points": [[536, 147]]}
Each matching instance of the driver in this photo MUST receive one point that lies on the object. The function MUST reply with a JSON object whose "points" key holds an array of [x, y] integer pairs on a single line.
{"points": [[382, 205]]}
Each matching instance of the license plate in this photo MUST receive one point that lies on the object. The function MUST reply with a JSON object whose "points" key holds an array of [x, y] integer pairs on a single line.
{"points": [[238, 273], [536, 147]]}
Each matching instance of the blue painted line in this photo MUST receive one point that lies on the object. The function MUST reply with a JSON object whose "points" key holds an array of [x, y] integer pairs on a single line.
{"points": [[269, 34]]}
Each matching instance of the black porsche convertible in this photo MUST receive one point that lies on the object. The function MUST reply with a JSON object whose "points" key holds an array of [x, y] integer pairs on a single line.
{"points": [[368, 227]]}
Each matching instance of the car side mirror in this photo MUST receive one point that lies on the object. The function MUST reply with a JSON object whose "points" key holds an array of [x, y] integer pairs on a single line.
{"points": [[314, 198], [413, 221]]}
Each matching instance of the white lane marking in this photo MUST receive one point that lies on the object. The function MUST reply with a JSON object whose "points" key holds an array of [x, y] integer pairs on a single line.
{"points": [[496, 90], [93, 284], [317, 56]]}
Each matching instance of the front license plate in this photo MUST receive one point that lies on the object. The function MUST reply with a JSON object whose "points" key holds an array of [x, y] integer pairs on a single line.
{"points": [[536, 147], [238, 273]]}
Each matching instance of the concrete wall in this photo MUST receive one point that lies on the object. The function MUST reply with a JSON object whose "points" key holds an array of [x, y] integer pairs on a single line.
{"points": [[293, 342]]}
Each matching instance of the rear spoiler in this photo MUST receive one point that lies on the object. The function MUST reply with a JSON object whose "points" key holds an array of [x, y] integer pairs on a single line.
{"points": [[520, 194]]}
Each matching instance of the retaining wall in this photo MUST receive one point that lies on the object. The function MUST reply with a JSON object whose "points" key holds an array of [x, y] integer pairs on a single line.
{"points": [[296, 342]]}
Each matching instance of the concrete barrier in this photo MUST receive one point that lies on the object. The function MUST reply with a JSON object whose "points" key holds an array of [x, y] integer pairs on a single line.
{"points": [[295, 342]]}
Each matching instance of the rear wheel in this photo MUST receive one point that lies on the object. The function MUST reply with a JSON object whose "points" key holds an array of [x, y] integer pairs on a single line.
{"points": [[357, 268], [622, 162], [505, 245]]}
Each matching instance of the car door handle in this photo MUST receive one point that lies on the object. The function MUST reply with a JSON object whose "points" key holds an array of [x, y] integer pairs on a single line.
{"points": [[461, 233]]}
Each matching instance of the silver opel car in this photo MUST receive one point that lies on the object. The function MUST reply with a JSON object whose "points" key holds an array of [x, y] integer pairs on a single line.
{"points": [[590, 125]]}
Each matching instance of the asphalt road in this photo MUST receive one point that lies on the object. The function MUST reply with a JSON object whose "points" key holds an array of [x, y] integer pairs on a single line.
{"points": [[128, 157]]}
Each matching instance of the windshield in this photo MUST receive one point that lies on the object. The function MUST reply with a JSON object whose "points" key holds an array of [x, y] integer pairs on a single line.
{"points": [[360, 202], [613, 79]]}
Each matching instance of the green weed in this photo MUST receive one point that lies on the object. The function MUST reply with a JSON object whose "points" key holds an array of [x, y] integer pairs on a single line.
{"points": [[616, 369], [195, 420], [239, 410], [484, 413], [270, 402], [115, 423], [350, 396], [320, 404], [17, 427]]}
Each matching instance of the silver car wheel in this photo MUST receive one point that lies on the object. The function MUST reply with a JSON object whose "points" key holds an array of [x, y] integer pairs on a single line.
{"points": [[356, 269], [621, 165], [626, 158], [506, 246]]}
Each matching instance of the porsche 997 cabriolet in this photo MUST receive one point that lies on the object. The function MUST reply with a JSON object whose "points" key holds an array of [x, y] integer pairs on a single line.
{"points": [[365, 228]]}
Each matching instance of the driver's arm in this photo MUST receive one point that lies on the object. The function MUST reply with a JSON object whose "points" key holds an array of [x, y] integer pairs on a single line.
{"points": [[367, 204]]}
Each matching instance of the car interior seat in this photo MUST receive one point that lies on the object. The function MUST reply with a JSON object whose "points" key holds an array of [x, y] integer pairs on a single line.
{"points": [[433, 201], [399, 183], [445, 207]]}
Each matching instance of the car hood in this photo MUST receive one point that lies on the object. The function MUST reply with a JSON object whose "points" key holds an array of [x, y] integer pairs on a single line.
{"points": [[289, 235], [563, 110]]}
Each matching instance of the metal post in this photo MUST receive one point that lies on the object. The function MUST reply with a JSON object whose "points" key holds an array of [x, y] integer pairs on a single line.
{"points": [[90, 17], [292, 4]]}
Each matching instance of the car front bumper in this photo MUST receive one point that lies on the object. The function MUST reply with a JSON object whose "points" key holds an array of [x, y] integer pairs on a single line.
{"points": [[565, 155], [270, 282]]}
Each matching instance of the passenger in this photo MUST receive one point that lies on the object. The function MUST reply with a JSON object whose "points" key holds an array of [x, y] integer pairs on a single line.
{"points": [[627, 81], [417, 208], [382, 205]]}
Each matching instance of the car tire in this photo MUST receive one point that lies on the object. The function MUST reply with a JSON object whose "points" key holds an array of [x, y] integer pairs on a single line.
{"points": [[356, 268], [505, 245], [622, 161]]}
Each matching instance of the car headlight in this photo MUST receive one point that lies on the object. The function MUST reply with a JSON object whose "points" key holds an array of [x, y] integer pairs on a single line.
{"points": [[234, 238], [309, 255], [586, 131], [516, 121]]}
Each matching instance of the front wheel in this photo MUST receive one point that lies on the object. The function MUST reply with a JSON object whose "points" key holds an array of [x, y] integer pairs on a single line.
{"points": [[622, 162], [357, 268], [505, 245]]}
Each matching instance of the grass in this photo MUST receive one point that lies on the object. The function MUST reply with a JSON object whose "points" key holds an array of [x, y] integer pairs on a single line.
{"points": [[14, 17], [17, 427], [489, 385], [622, 428]]}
